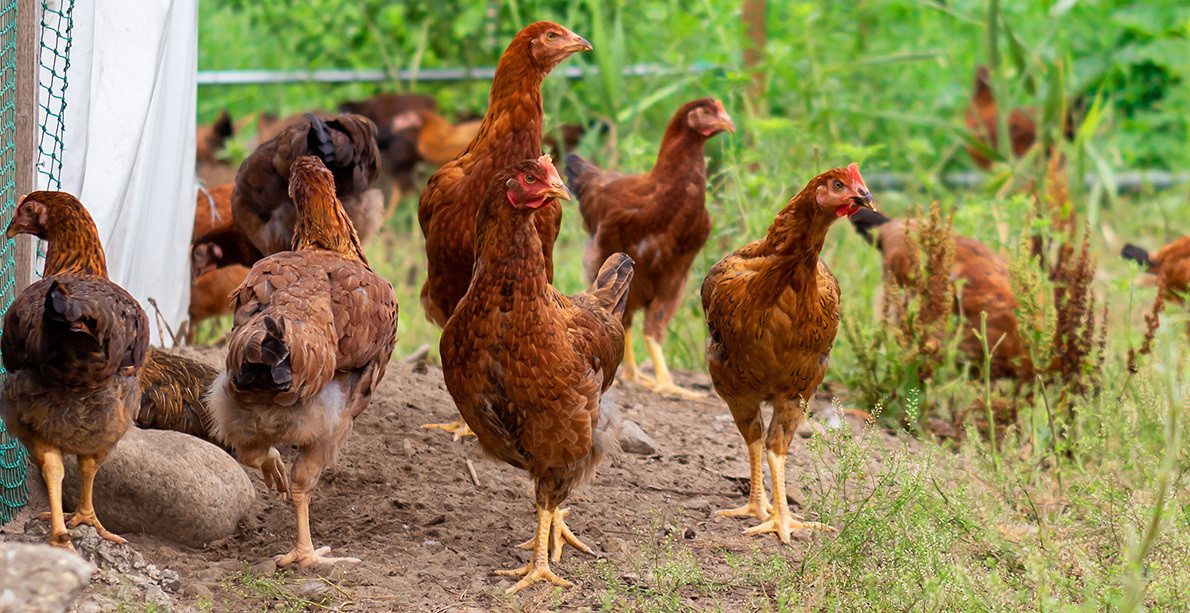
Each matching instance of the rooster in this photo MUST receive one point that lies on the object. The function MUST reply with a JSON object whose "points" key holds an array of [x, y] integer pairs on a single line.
{"points": [[986, 288], [529, 367], [510, 132], [72, 344], [346, 144], [660, 220], [772, 309], [314, 331]]}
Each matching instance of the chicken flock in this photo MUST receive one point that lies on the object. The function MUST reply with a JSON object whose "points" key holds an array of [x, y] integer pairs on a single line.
{"points": [[279, 247]]}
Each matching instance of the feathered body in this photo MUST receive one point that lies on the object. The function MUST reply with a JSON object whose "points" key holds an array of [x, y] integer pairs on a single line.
{"points": [[1171, 261], [526, 365], [510, 132], [314, 331], [72, 344], [173, 390], [260, 202]]}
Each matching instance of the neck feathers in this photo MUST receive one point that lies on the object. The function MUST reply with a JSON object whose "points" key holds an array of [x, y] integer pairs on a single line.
{"points": [[797, 235], [322, 223], [74, 245], [514, 106]]}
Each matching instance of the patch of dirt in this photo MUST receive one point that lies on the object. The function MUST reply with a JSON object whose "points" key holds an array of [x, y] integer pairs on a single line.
{"points": [[402, 499]]}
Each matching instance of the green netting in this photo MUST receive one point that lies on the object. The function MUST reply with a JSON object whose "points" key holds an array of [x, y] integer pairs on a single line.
{"points": [[13, 492]]}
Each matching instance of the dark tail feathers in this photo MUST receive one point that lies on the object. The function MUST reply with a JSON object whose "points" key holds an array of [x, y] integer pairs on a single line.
{"points": [[611, 284], [866, 219], [273, 370], [575, 167], [319, 142], [1136, 254]]}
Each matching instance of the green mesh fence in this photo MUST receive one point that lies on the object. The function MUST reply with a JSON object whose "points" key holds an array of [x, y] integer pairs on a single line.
{"points": [[13, 492]]}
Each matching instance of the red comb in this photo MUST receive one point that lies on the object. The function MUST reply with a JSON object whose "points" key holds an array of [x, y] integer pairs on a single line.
{"points": [[853, 172]]}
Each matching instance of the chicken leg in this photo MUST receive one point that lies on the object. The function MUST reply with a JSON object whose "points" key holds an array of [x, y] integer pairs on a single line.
{"points": [[49, 460], [538, 569], [85, 513], [457, 427], [559, 534], [782, 520], [306, 471], [758, 505], [665, 383], [628, 368]]}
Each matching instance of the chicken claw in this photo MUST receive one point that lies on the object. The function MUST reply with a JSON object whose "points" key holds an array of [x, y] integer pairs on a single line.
{"points": [[273, 470], [560, 534], [548, 533], [457, 427], [665, 383], [306, 558], [74, 520], [785, 522], [758, 505]]}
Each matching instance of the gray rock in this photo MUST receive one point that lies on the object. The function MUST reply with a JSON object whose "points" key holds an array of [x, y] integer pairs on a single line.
{"points": [[170, 581], [155, 595], [168, 484], [634, 440], [40, 578]]}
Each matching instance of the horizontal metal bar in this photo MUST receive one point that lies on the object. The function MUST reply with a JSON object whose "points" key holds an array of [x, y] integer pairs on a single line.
{"points": [[258, 77], [1127, 181]]}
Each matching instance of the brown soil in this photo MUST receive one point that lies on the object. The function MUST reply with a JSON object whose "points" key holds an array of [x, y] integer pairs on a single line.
{"points": [[402, 499]]}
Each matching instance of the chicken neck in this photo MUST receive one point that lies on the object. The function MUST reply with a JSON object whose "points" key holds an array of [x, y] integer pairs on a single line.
{"points": [[508, 252], [512, 123], [74, 246], [795, 239], [322, 223]]}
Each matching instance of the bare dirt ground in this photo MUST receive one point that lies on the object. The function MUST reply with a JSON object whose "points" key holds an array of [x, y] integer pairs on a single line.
{"points": [[403, 499]]}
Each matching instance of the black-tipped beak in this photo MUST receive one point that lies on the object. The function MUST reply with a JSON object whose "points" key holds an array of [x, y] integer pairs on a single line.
{"points": [[13, 231], [864, 199], [558, 191]]}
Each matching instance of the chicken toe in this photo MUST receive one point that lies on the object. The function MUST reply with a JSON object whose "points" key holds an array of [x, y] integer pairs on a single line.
{"points": [[303, 552], [457, 427], [665, 383], [538, 569], [782, 521], [758, 505]]}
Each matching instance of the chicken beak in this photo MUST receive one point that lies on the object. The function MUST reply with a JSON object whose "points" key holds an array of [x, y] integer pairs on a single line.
{"points": [[557, 190], [579, 44], [726, 124], [13, 231], [864, 200]]}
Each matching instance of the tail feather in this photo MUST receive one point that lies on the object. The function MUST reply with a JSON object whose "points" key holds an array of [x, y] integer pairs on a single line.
{"points": [[319, 141], [575, 167], [1136, 254], [866, 219], [270, 368], [611, 285]]}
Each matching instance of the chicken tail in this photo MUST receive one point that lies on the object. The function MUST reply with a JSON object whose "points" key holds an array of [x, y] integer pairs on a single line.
{"points": [[1136, 254], [63, 310], [319, 141], [610, 287], [866, 219], [576, 166], [268, 367]]}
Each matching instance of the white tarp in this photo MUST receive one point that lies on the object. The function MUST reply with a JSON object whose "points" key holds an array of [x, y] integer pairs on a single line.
{"points": [[128, 150]]}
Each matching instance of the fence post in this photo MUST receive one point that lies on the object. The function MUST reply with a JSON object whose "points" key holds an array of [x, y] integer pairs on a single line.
{"points": [[28, 68]]}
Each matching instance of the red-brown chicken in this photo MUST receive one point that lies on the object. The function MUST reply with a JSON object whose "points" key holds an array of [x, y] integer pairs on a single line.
{"points": [[983, 118], [208, 295], [314, 331], [660, 220], [346, 144], [527, 366], [510, 132], [772, 309], [1171, 261], [438, 140], [222, 247], [72, 344], [173, 390], [986, 288], [212, 209]]}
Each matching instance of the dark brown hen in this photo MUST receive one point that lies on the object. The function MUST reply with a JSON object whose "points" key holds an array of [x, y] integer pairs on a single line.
{"points": [[527, 366], [660, 220], [261, 204], [772, 310], [314, 331], [72, 344]]}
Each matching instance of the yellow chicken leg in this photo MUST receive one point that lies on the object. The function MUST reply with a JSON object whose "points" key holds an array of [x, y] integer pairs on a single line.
{"points": [[758, 504], [303, 552], [539, 568], [665, 383], [628, 368], [457, 427], [559, 534], [783, 521], [49, 460], [85, 514]]}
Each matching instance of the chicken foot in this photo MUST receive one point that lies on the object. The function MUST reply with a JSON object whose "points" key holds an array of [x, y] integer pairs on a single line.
{"points": [[560, 534], [782, 520], [538, 569], [49, 460], [457, 427], [85, 513], [758, 504], [628, 368], [271, 467], [306, 471], [665, 383]]}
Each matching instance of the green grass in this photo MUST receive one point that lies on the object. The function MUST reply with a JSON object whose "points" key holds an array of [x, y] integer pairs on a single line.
{"points": [[1099, 521]]}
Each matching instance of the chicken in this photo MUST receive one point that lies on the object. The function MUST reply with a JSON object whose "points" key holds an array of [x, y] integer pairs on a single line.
{"points": [[982, 120], [221, 247], [510, 132], [212, 209], [660, 220], [438, 141], [72, 344], [529, 367], [398, 148], [208, 295], [1171, 261], [772, 310], [260, 204], [314, 331], [209, 141], [172, 390], [985, 288]]}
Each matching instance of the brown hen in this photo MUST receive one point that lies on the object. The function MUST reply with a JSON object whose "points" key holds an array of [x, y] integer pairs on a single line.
{"points": [[510, 132], [986, 288], [260, 203], [398, 148], [527, 366], [314, 331], [772, 309], [208, 295], [173, 390], [72, 344], [438, 140], [660, 220], [1171, 261], [209, 140]]}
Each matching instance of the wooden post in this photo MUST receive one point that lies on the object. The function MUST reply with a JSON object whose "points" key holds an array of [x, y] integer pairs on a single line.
{"points": [[754, 18], [28, 66]]}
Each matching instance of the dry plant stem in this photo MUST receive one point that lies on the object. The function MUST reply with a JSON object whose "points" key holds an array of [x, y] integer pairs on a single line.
{"points": [[987, 388]]}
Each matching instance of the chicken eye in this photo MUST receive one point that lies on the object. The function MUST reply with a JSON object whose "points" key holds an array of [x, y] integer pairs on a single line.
{"points": [[550, 36], [838, 185], [530, 179]]}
